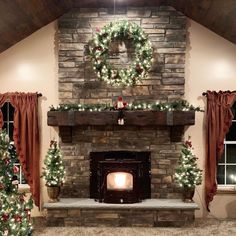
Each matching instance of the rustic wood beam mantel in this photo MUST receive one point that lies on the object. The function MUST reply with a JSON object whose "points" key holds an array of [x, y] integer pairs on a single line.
{"points": [[66, 120]]}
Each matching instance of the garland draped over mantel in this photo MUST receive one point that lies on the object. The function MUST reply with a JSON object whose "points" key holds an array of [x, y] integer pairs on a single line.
{"points": [[180, 105]]}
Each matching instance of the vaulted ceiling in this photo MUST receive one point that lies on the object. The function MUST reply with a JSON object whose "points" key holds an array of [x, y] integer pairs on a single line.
{"points": [[20, 18]]}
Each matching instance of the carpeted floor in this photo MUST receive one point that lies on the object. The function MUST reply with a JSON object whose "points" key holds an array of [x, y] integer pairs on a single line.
{"points": [[200, 228]]}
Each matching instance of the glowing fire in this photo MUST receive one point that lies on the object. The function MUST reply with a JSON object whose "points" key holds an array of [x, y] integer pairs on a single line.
{"points": [[120, 180]]}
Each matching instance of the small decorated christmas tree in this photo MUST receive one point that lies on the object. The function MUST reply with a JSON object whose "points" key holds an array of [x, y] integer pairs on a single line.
{"points": [[14, 208], [188, 175], [54, 170]]}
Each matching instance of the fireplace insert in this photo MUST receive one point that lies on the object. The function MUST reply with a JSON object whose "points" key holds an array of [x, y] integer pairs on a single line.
{"points": [[120, 176]]}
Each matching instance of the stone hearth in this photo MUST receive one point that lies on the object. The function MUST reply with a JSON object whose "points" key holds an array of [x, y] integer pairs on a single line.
{"points": [[149, 213]]}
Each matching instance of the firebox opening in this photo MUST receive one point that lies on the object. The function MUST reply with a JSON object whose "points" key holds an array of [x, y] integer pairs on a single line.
{"points": [[120, 181]]}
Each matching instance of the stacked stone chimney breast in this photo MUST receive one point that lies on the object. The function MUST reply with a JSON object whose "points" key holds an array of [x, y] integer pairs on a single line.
{"points": [[78, 83]]}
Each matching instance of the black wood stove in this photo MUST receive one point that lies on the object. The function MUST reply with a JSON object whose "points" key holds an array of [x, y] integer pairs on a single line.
{"points": [[120, 176]]}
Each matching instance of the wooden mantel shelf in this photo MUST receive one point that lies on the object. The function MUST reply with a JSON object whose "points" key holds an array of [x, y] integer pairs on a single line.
{"points": [[65, 120]]}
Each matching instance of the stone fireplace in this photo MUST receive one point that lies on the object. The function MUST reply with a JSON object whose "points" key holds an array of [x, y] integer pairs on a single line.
{"points": [[140, 156], [78, 84]]}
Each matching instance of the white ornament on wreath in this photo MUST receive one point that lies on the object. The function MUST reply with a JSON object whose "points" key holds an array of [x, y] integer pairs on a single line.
{"points": [[99, 47]]}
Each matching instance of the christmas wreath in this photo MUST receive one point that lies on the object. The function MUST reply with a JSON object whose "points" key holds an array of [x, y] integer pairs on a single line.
{"points": [[99, 52]]}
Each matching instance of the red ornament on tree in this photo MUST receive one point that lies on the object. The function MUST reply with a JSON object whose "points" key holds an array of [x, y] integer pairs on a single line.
{"points": [[139, 69], [16, 169], [7, 162], [98, 48], [22, 199], [1, 186], [17, 218], [5, 217]]}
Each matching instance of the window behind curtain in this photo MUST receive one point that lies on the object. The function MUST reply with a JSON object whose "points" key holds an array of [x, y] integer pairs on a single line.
{"points": [[226, 174], [8, 118]]}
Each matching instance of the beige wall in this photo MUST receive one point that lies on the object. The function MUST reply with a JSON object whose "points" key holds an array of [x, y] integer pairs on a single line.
{"points": [[31, 65], [210, 65]]}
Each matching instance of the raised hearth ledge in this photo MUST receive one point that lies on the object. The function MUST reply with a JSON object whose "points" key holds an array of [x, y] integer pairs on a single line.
{"points": [[149, 213], [151, 204]]}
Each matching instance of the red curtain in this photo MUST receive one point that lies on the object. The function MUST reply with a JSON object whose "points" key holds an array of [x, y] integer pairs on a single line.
{"points": [[26, 136], [218, 121]]}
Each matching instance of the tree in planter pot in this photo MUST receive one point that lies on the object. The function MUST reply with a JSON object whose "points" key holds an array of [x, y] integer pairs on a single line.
{"points": [[54, 171], [188, 175]]}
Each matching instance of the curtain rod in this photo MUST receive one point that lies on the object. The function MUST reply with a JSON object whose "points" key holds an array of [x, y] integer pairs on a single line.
{"points": [[39, 94], [228, 91]]}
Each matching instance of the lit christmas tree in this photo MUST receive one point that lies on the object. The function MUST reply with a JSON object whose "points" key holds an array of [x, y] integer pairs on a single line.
{"points": [[188, 175], [14, 208], [54, 170]]}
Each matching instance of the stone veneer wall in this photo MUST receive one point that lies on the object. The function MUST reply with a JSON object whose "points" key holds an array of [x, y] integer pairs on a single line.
{"points": [[78, 84], [119, 217]]}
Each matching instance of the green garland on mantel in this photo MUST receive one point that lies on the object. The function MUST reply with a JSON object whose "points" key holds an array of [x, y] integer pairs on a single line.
{"points": [[180, 105]]}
